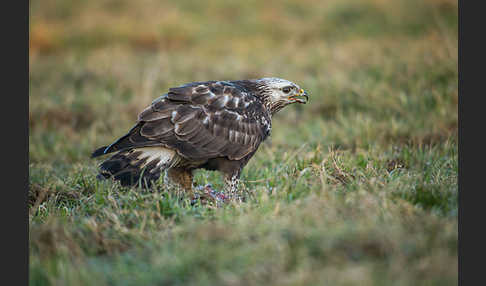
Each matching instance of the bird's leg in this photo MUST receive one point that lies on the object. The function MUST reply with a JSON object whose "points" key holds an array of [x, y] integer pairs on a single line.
{"points": [[231, 182], [181, 178]]}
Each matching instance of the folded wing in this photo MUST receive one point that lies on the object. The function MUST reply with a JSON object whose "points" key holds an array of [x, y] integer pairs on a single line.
{"points": [[200, 121]]}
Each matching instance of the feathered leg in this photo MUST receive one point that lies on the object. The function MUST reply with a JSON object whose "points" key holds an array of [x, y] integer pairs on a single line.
{"points": [[182, 178], [231, 182]]}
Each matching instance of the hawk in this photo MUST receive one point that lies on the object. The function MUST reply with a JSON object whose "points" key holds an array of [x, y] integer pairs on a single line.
{"points": [[213, 125]]}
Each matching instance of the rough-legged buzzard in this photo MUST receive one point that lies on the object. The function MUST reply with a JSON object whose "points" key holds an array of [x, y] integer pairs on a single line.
{"points": [[214, 125]]}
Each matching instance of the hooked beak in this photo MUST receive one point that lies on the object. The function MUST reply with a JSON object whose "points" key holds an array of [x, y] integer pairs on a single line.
{"points": [[301, 97]]}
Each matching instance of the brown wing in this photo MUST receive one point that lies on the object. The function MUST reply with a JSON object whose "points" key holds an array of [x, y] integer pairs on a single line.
{"points": [[200, 121]]}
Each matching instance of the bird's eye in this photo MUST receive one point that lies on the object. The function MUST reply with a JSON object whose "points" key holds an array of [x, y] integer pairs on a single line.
{"points": [[287, 89]]}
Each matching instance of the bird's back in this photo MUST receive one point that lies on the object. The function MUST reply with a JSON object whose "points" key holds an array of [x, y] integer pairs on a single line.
{"points": [[194, 123]]}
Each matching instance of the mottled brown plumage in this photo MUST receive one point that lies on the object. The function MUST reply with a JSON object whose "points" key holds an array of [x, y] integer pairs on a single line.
{"points": [[215, 125]]}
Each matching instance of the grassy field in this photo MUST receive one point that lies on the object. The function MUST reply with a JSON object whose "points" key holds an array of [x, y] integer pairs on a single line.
{"points": [[358, 187]]}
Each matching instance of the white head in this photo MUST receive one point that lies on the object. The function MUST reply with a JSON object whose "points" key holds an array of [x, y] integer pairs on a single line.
{"points": [[278, 93]]}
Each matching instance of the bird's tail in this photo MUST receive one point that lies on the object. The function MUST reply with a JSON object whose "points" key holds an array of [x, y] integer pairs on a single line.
{"points": [[137, 166]]}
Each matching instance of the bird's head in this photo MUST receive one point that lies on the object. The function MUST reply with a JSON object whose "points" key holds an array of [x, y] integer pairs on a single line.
{"points": [[278, 93]]}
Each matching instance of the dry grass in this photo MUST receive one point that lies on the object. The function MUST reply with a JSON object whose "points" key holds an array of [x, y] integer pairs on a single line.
{"points": [[362, 189]]}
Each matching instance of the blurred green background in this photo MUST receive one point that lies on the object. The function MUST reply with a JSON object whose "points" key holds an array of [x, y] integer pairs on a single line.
{"points": [[357, 187]]}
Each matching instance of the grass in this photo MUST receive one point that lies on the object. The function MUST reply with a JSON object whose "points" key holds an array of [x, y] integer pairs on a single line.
{"points": [[357, 187]]}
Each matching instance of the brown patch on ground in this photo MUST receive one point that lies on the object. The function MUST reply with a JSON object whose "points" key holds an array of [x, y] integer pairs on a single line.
{"points": [[43, 38], [337, 174], [396, 163], [53, 239], [36, 196]]}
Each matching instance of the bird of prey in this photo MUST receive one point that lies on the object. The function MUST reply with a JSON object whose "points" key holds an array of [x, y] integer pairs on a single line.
{"points": [[213, 125]]}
